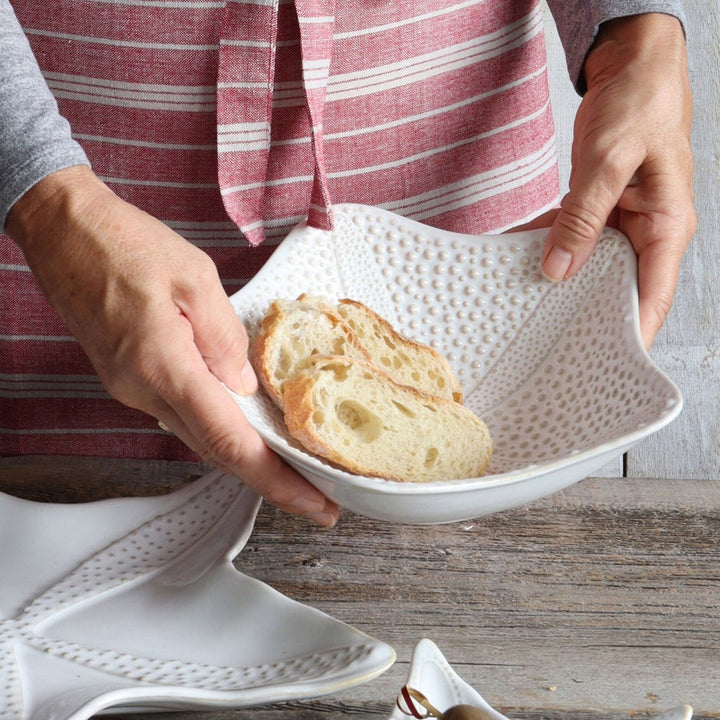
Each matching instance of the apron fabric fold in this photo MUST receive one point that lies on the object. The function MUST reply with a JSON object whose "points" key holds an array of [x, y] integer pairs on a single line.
{"points": [[233, 121]]}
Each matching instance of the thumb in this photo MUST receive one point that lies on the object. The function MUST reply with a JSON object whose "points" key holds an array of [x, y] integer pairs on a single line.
{"points": [[584, 212]]}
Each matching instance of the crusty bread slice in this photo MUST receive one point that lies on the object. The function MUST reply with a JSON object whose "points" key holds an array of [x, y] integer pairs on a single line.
{"points": [[405, 360], [289, 334], [351, 413]]}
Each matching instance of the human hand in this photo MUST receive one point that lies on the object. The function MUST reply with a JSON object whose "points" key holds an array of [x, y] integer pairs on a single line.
{"points": [[150, 312], [631, 160]]}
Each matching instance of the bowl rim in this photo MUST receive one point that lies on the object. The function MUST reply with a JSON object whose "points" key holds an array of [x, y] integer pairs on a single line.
{"points": [[303, 460]]}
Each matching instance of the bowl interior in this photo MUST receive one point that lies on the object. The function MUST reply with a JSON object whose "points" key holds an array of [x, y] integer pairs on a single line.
{"points": [[556, 370]]}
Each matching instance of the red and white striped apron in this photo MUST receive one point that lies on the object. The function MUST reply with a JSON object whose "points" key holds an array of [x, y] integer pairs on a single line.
{"points": [[232, 121]]}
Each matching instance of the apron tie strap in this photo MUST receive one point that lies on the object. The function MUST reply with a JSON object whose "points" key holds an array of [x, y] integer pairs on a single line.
{"points": [[316, 19], [246, 77]]}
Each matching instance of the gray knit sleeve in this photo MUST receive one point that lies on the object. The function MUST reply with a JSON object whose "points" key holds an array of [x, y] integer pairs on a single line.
{"points": [[578, 22], [34, 138]]}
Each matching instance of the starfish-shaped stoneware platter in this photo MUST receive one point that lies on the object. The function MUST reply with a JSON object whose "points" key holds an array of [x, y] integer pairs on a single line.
{"points": [[134, 604]]}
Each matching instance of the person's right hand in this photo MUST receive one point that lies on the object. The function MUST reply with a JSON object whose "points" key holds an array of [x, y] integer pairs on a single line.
{"points": [[150, 312], [632, 163]]}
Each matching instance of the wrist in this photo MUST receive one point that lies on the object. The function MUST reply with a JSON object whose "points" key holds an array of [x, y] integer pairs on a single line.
{"points": [[51, 203], [620, 42]]}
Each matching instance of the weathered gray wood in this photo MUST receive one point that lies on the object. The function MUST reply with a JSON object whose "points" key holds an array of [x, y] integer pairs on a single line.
{"points": [[82, 479], [602, 598], [601, 601]]}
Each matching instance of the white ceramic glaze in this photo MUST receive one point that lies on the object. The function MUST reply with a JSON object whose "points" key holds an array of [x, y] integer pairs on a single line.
{"points": [[432, 675], [135, 604], [557, 370]]}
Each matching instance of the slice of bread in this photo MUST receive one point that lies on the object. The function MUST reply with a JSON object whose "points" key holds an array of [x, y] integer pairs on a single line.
{"points": [[289, 334], [407, 361], [352, 413]]}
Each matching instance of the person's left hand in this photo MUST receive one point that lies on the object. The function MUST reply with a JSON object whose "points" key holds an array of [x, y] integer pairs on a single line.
{"points": [[631, 160]]}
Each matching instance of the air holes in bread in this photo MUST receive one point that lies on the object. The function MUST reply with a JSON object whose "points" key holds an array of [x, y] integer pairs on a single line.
{"points": [[403, 409], [431, 457], [338, 369], [357, 393], [363, 423]]}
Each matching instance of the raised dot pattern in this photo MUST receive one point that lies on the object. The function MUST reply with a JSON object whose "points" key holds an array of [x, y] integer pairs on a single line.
{"points": [[145, 551], [11, 700], [553, 368], [206, 676], [150, 547]]}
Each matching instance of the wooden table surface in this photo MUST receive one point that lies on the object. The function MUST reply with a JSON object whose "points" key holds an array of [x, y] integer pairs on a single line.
{"points": [[602, 601]]}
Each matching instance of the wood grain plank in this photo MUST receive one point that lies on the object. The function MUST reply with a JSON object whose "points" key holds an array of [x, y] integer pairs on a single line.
{"points": [[82, 479], [587, 601], [599, 601]]}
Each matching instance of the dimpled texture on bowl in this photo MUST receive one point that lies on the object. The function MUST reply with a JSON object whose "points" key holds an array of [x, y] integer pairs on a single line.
{"points": [[556, 370]]}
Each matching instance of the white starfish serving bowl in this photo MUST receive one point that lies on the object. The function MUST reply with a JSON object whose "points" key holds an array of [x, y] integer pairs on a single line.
{"points": [[558, 371], [134, 603]]}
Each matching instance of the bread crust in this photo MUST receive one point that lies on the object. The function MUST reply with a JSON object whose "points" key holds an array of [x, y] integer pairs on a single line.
{"points": [[406, 360], [270, 356]]}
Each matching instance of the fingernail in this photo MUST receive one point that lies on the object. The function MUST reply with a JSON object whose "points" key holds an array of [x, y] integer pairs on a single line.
{"points": [[325, 519], [314, 510], [248, 379], [557, 263], [306, 506]]}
